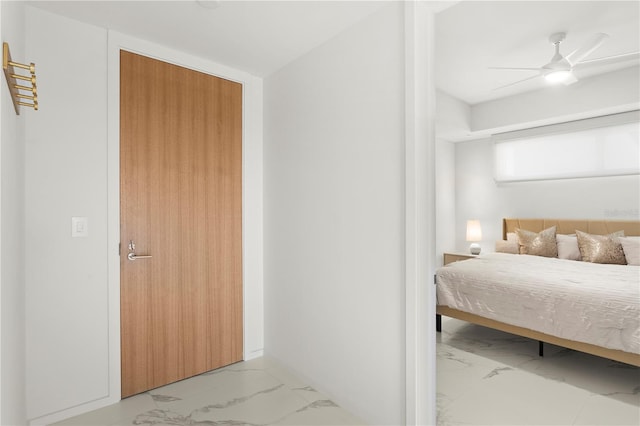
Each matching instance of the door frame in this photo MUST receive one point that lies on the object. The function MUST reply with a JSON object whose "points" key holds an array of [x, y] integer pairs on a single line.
{"points": [[420, 176], [252, 193]]}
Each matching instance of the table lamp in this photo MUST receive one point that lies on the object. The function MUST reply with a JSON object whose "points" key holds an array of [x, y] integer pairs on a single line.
{"points": [[474, 234]]}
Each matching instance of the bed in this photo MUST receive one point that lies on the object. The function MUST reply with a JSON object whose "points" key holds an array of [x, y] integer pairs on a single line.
{"points": [[585, 306]]}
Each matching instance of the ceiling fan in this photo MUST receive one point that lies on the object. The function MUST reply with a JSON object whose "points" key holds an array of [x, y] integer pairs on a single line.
{"points": [[560, 68]]}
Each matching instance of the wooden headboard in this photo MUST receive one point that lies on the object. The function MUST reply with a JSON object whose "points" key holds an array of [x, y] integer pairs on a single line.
{"points": [[569, 226]]}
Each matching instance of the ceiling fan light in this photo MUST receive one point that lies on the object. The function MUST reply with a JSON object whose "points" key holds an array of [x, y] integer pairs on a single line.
{"points": [[557, 76]]}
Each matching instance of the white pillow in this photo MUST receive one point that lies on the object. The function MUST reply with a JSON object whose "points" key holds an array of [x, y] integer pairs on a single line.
{"points": [[568, 247], [631, 247]]}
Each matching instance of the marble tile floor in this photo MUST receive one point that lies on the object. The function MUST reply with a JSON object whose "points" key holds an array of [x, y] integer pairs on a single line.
{"points": [[484, 377], [487, 377], [251, 393]]}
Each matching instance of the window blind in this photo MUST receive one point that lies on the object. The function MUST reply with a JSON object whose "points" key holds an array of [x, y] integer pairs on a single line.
{"points": [[601, 151]]}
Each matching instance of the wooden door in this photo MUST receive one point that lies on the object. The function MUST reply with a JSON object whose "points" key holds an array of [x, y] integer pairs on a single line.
{"points": [[181, 203]]}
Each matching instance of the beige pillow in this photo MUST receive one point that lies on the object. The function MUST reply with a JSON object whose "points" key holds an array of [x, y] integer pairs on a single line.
{"points": [[505, 246], [568, 247], [510, 245], [631, 248], [542, 243], [601, 248]]}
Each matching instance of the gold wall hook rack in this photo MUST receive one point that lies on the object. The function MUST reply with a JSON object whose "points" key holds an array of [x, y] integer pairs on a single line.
{"points": [[17, 90]]}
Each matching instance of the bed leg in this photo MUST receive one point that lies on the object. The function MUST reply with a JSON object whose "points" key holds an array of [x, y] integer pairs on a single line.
{"points": [[540, 348], [438, 323]]}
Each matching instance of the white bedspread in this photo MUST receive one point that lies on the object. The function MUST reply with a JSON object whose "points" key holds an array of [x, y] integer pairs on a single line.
{"points": [[581, 301]]}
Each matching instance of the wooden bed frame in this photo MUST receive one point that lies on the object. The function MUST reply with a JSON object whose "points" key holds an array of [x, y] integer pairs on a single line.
{"points": [[564, 226]]}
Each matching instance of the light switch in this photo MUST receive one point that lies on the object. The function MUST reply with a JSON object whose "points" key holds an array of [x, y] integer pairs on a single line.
{"points": [[79, 227]]}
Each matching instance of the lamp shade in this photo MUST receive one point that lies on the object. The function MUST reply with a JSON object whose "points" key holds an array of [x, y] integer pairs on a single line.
{"points": [[474, 232]]}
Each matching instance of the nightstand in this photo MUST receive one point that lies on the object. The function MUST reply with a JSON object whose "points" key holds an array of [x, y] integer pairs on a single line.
{"points": [[455, 257]]}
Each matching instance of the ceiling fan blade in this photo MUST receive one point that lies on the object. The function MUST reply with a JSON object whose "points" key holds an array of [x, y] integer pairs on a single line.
{"points": [[583, 51], [609, 60], [516, 82], [517, 69]]}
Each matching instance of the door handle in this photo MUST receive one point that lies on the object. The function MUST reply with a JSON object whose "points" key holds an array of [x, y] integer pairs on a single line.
{"points": [[133, 256]]}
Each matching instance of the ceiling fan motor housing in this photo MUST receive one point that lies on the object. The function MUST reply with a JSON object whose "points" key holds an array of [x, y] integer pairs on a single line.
{"points": [[556, 38], [558, 62]]}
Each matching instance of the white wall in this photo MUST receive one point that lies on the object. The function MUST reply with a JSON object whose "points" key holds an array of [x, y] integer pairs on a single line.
{"points": [[334, 217], [66, 291], [445, 198], [453, 117], [12, 228], [72, 284], [478, 196]]}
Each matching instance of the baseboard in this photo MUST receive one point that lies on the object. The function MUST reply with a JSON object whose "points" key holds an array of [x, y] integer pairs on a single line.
{"points": [[253, 354], [73, 411]]}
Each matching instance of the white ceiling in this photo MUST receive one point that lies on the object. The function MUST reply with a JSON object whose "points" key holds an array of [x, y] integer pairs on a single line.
{"points": [[472, 36], [255, 36], [262, 36]]}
